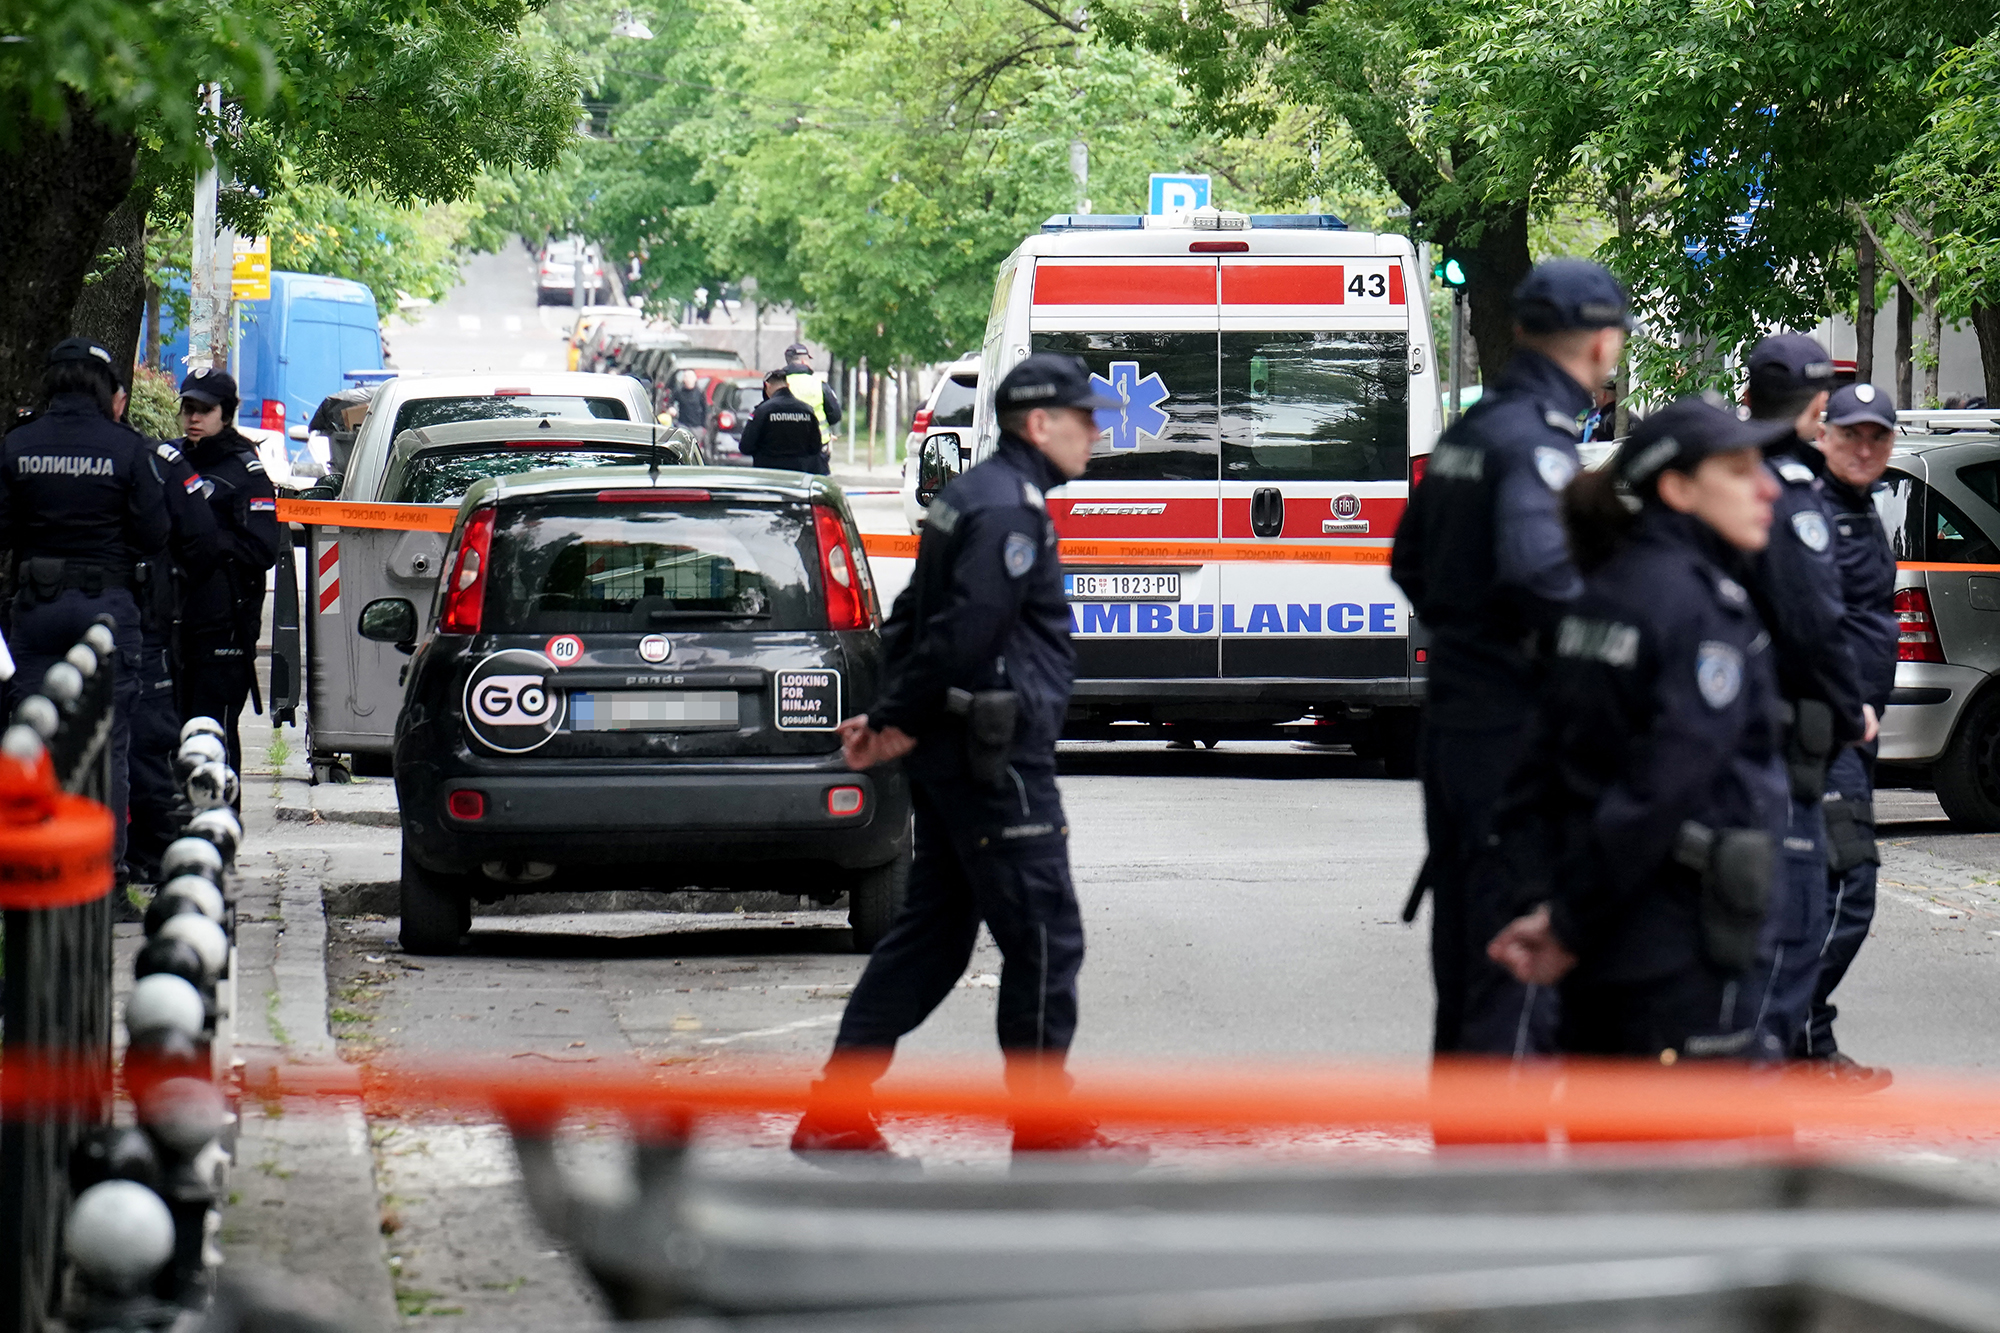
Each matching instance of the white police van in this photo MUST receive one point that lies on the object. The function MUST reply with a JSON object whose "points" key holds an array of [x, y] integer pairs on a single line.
{"points": [[1227, 553]]}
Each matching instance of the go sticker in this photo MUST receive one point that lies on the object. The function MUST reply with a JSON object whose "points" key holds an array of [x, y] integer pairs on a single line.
{"points": [[511, 704], [564, 649]]}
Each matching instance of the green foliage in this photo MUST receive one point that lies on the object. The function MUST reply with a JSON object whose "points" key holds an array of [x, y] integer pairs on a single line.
{"points": [[395, 250], [155, 407], [1947, 183]]}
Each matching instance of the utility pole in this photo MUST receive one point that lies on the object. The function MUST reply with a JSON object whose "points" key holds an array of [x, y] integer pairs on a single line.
{"points": [[208, 340], [1079, 167], [1457, 358]]}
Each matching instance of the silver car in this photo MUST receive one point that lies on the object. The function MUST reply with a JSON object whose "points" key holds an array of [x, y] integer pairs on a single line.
{"points": [[1940, 503]]}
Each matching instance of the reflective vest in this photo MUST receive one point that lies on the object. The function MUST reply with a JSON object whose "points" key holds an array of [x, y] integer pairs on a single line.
{"points": [[810, 389]]}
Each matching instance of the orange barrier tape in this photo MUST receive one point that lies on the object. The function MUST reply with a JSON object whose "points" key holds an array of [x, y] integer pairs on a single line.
{"points": [[896, 546], [1922, 566], [353, 514]]}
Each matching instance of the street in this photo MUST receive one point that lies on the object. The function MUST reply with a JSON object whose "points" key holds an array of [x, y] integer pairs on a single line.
{"points": [[1241, 904]]}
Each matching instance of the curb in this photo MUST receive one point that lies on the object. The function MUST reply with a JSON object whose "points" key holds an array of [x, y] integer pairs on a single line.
{"points": [[293, 814]]}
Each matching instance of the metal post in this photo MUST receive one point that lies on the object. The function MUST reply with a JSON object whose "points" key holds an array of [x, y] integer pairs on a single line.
{"points": [[1457, 353], [208, 341]]}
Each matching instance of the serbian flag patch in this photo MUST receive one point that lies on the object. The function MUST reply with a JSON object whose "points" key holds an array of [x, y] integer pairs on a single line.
{"points": [[263, 506], [193, 483]]}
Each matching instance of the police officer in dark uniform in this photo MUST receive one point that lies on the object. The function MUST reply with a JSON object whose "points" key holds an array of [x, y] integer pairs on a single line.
{"points": [[1482, 555], [1798, 589], [1646, 820], [188, 555], [979, 673], [783, 432], [82, 507], [224, 613], [1859, 432]]}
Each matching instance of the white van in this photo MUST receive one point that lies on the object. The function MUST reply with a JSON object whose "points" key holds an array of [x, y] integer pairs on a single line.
{"points": [[1227, 553]]}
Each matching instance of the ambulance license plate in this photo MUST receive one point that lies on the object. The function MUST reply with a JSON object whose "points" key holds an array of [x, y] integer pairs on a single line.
{"points": [[652, 710], [1122, 587]]}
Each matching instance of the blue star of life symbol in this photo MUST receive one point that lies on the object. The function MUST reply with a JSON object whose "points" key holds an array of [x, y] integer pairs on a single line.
{"points": [[1142, 398]]}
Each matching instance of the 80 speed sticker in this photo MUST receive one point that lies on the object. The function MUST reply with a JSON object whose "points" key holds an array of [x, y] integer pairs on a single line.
{"points": [[511, 703]]}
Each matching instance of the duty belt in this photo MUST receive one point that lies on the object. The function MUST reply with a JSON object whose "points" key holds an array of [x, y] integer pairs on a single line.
{"points": [[49, 574]]}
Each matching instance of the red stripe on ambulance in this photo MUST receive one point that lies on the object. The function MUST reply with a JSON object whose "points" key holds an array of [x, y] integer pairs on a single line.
{"points": [[1125, 284]]}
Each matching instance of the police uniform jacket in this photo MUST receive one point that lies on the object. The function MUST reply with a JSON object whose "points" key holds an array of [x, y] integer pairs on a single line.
{"points": [[781, 429], [245, 510], [75, 484], [1660, 707], [1867, 568], [1798, 589], [983, 611], [191, 538], [1481, 551]]}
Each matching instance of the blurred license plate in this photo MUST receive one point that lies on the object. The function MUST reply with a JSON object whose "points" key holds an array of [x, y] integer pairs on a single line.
{"points": [[651, 710], [1123, 587]]}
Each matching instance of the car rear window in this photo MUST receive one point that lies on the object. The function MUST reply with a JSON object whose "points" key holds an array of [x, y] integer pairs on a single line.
{"points": [[579, 566], [1318, 406], [444, 476], [746, 397], [1924, 526], [956, 398], [417, 412]]}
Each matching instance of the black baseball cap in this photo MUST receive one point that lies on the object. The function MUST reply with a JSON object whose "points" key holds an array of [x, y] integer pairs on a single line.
{"points": [[1052, 379], [83, 349], [1563, 294], [213, 387], [1853, 404], [1786, 365], [797, 350], [1684, 432]]}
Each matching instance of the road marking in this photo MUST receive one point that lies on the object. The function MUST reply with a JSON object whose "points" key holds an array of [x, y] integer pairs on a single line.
{"points": [[822, 1021], [512, 323], [468, 323]]}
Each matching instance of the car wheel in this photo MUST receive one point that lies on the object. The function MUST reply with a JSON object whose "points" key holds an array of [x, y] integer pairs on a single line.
{"points": [[874, 897], [1967, 775], [437, 909]]}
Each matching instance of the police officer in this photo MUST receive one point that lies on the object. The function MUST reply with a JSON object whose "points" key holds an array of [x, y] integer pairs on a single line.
{"points": [[189, 554], [1798, 589], [782, 432], [978, 681], [810, 389], [1482, 555], [1859, 432], [82, 507], [1646, 819], [223, 615]]}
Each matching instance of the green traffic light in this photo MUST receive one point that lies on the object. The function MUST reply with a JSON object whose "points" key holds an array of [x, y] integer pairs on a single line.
{"points": [[1454, 273]]}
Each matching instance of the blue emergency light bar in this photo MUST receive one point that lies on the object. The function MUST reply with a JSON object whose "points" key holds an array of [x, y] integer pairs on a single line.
{"points": [[1136, 222]]}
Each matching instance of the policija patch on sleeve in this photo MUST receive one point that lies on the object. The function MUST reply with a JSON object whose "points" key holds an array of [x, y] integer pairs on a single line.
{"points": [[1017, 553]]}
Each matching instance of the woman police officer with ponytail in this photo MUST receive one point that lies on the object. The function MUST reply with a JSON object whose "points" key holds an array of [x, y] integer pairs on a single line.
{"points": [[1641, 831]]}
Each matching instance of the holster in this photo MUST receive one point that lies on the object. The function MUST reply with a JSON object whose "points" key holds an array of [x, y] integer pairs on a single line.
{"points": [[989, 717], [42, 576], [1809, 749], [1850, 835], [1736, 867], [153, 586]]}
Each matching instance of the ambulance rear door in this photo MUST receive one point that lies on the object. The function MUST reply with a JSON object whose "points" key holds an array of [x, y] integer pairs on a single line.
{"points": [[1147, 327], [1315, 367]]}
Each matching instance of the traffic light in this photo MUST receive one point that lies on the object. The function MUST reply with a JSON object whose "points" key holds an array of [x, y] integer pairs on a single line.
{"points": [[1450, 269]]}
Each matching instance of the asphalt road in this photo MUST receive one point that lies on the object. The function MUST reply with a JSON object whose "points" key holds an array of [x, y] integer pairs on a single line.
{"points": [[1239, 903]]}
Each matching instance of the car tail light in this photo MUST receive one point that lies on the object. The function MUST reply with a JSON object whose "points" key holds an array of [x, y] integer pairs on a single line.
{"points": [[545, 444], [1218, 247], [921, 422], [1423, 654], [844, 800], [512, 393], [1417, 468], [465, 585], [653, 494], [846, 598], [726, 420], [1918, 640], [466, 804], [271, 416]]}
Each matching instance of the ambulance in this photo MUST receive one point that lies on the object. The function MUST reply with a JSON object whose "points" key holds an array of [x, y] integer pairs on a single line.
{"points": [[1226, 555]]}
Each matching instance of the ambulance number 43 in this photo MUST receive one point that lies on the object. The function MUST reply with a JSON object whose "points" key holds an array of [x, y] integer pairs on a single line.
{"points": [[1369, 286]]}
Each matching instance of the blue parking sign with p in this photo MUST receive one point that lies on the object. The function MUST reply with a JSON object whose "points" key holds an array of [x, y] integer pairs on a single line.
{"points": [[1177, 194]]}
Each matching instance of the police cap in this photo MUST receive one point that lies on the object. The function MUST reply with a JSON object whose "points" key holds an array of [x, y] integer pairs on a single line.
{"points": [[1785, 365], [797, 352], [1563, 294], [213, 387], [1052, 379], [1684, 432], [80, 349], [1853, 404]]}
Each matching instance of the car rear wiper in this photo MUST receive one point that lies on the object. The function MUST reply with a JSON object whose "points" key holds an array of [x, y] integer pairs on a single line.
{"points": [[661, 615]]}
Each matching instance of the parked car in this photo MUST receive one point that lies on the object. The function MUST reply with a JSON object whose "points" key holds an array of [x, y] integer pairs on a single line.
{"points": [[555, 283], [630, 682], [594, 317], [1940, 503], [731, 400], [296, 348], [643, 355], [948, 410], [439, 464]]}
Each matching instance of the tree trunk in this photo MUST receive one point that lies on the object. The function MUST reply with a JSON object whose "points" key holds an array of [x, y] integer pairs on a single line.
{"points": [[1986, 324], [1864, 310], [1500, 261], [61, 186], [110, 309], [1905, 322], [1934, 345], [149, 347]]}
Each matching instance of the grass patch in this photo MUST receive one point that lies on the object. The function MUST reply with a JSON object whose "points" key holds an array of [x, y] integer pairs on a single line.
{"points": [[278, 752], [413, 1301], [342, 1014], [272, 1021]]}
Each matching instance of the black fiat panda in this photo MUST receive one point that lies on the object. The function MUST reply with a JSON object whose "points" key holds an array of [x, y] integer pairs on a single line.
{"points": [[631, 679]]}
